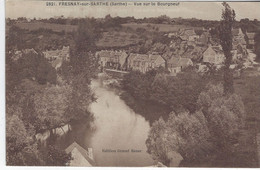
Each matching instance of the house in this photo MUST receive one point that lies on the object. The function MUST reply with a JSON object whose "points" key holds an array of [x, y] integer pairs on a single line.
{"points": [[56, 57], [195, 53], [63, 54], [238, 37], [112, 59], [80, 156], [177, 64], [251, 39], [188, 34], [239, 53], [144, 62], [204, 38], [213, 55]]}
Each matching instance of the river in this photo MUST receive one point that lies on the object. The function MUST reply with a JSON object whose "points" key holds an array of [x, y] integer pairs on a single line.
{"points": [[115, 127]]}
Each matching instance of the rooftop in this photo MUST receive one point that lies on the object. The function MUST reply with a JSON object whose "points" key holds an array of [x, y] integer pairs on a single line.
{"points": [[82, 151]]}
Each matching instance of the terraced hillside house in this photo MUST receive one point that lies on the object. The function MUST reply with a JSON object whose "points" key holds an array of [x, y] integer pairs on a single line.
{"points": [[112, 59], [144, 62]]}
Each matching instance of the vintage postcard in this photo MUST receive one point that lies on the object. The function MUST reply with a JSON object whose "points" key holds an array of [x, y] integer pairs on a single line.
{"points": [[132, 83]]}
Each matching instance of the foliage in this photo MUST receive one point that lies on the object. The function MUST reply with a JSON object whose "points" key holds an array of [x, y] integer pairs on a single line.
{"points": [[31, 66], [51, 106], [226, 39], [86, 36], [177, 93], [156, 142], [19, 147], [36, 101], [183, 133], [16, 134], [224, 114], [213, 126], [54, 156], [15, 38]]}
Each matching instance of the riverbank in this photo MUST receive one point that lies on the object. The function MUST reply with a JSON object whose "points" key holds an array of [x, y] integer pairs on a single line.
{"points": [[151, 111]]}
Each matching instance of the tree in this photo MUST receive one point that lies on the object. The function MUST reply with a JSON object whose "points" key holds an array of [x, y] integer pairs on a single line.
{"points": [[54, 156], [157, 144], [31, 66], [17, 139], [79, 71], [51, 106], [215, 125], [184, 133], [226, 39], [177, 93], [15, 38], [188, 135], [86, 37], [224, 115]]}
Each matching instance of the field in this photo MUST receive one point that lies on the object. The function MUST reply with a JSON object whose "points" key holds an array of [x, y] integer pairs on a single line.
{"points": [[117, 39], [248, 88], [160, 27], [54, 27]]}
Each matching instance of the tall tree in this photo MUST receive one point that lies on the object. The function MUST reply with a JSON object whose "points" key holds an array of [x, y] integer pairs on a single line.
{"points": [[226, 39]]}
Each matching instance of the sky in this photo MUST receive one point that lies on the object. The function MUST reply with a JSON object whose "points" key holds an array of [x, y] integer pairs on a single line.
{"points": [[199, 10]]}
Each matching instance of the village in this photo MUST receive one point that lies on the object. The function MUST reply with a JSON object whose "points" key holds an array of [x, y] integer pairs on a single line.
{"points": [[186, 49], [81, 86], [189, 49]]}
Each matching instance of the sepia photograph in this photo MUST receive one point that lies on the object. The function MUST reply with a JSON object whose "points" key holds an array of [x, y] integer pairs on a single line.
{"points": [[132, 83]]}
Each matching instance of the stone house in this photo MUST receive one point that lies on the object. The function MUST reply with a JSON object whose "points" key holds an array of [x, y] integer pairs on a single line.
{"points": [[56, 57], [63, 54], [144, 62], [177, 64], [204, 38], [112, 59], [251, 39], [188, 34], [238, 37], [213, 55]]}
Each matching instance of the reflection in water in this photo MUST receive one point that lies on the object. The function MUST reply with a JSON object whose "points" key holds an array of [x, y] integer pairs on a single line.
{"points": [[117, 127]]}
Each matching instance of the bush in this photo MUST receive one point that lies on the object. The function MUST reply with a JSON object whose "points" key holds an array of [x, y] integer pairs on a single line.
{"points": [[213, 126]]}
